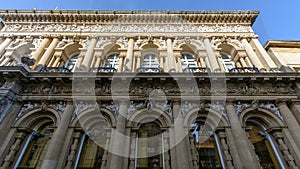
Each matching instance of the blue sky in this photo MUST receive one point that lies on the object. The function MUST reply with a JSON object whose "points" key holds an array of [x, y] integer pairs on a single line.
{"points": [[278, 19]]}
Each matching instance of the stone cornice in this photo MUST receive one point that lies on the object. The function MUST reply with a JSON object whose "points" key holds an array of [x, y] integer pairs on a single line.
{"points": [[134, 17]]}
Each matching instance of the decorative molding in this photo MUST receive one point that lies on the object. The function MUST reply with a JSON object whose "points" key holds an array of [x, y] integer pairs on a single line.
{"points": [[240, 107], [133, 17], [126, 28], [27, 107], [161, 89]]}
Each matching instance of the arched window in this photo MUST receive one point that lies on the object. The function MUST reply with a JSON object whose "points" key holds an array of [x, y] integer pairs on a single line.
{"points": [[72, 62], [36, 147], [150, 61], [206, 146], [227, 62], [149, 147], [262, 146], [112, 61], [91, 154], [188, 61]]}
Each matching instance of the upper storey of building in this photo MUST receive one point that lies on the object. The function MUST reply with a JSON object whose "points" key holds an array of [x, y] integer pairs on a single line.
{"points": [[133, 41]]}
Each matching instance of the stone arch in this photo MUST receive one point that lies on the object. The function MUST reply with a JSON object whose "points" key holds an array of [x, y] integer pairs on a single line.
{"points": [[71, 48], [189, 47], [213, 117], [262, 116], [228, 48], [152, 45], [89, 117], [143, 116], [110, 48], [38, 116]]}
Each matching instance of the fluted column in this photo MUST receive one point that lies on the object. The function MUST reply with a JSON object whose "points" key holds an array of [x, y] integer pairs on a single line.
{"points": [[46, 56], [251, 54], [87, 60], [211, 55], [56, 144], [181, 140], [118, 149], [38, 53], [295, 108], [4, 44], [170, 56], [291, 121], [246, 154], [129, 56], [263, 53]]}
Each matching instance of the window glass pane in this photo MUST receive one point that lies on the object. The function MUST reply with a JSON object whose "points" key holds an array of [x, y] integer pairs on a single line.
{"points": [[188, 61], [150, 61], [227, 62], [112, 61], [72, 62]]}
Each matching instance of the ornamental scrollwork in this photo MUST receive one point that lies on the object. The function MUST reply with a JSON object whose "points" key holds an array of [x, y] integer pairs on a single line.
{"points": [[27, 107], [125, 28], [241, 106]]}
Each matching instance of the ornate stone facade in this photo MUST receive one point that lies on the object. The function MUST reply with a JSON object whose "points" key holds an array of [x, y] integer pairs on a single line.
{"points": [[144, 90]]}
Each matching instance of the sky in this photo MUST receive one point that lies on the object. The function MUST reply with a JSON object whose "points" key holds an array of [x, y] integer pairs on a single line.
{"points": [[278, 19]]}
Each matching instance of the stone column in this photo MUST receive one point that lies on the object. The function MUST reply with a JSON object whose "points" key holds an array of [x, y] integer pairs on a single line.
{"points": [[13, 150], [74, 150], [211, 55], [129, 56], [8, 121], [263, 54], [248, 61], [38, 53], [121, 62], [87, 60], [252, 55], [46, 56], [290, 120], [170, 56], [295, 108], [118, 149], [56, 144], [246, 154], [138, 57], [284, 148], [194, 152], [4, 44], [181, 140], [221, 136], [165, 136], [132, 156]]}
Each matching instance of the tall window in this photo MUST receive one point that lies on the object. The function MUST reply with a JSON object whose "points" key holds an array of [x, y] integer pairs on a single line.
{"points": [[72, 62], [227, 62], [91, 155], [35, 148], [112, 61], [263, 149], [150, 61], [206, 147], [149, 147], [188, 61]]}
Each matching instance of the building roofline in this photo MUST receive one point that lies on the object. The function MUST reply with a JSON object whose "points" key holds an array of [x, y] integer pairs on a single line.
{"points": [[282, 44], [203, 16]]}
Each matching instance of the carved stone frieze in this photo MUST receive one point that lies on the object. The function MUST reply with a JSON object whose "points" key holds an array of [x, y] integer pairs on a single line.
{"points": [[81, 106], [27, 107], [162, 89], [187, 106], [128, 28], [60, 107], [241, 106], [187, 40]]}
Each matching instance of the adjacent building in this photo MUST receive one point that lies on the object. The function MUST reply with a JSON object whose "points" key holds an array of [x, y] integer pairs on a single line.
{"points": [[90, 89]]}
